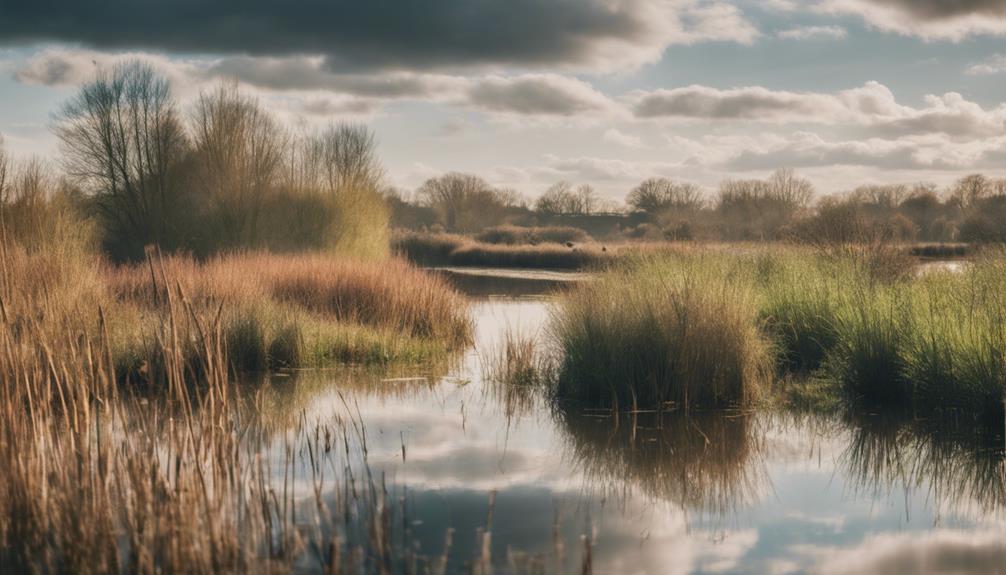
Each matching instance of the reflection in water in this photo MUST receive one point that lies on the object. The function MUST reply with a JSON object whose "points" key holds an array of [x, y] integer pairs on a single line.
{"points": [[960, 460], [708, 462], [479, 283], [433, 469]]}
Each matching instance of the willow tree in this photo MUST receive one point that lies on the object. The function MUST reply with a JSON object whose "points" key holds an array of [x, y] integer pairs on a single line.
{"points": [[340, 165], [238, 157]]}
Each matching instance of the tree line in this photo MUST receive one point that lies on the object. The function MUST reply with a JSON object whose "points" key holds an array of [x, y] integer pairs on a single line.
{"points": [[223, 175], [782, 206]]}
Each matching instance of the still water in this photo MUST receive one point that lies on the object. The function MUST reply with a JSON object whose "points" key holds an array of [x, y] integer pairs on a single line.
{"points": [[770, 491]]}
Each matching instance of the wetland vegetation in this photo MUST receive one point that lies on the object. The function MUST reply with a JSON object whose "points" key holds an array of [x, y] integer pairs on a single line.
{"points": [[216, 356]]}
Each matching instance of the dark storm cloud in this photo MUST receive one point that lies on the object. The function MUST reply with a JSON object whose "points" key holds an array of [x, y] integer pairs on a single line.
{"points": [[352, 34], [945, 9]]}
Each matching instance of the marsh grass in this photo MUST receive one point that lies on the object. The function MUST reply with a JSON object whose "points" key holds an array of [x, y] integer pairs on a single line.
{"points": [[455, 250], [658, 331], [189, 476], [519, 370], [955, 349], [308, 310], [696, 328], [516, 235]]}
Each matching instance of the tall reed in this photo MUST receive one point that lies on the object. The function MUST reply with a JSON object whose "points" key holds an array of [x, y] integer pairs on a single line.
{"points": [[658, 331]]}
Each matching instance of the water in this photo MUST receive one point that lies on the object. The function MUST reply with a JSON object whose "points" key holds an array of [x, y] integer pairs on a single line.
{"points": [[766, 492]]}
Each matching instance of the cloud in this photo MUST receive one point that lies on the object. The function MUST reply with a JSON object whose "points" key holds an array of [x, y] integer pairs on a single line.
{"points": [[66, 67], [619, 138], [808, 32], [808, 150], [594, 35], [871, 106], [717, 22], [994, 64], [324, 92], [929, 19], [536, 94], [310, 73], [752, 103], [939, 551]]}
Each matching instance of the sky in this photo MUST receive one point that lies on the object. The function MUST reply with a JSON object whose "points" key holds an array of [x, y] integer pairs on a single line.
{"points": [[529, 92]]}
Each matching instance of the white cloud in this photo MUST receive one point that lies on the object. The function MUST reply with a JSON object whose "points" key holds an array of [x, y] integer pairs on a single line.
{"points": [[719, 21], [938, 551], [871, 106], [808, 32], [806, 150], [994, 64], [536, 94], [619, 138]]}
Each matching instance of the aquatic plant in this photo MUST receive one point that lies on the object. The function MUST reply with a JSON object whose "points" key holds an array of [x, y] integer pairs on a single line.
{"points": [[689, 327], [679, 330]]}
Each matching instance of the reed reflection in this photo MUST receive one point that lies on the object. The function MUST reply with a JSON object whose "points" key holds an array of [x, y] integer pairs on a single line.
{"points": [[960, 460], [707, 462]]}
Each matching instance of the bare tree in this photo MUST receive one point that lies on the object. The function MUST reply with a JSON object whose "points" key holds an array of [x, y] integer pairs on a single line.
{"points": [[656, 195], [121, 138], [556, 199], [239, 154], [586, 199], [511, 198], [881, 197], [463, 202], [342, 157], [349, 158], [563, 198], [970, 190], [789, 190]]}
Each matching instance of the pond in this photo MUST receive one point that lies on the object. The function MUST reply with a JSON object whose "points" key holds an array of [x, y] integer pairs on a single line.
{"points": [[479, 473]]}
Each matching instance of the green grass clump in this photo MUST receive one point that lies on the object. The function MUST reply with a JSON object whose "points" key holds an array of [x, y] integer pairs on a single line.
{"points": [[799, 308], [696, 328], [867, 357], [955, 352], [659, 330]]}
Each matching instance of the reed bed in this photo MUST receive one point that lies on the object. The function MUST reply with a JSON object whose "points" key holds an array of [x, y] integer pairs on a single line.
{"points": [[455, 250], [310, 310], [698, 328], [191, 476], [517, 368], [517, 235], [662, 331]]}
